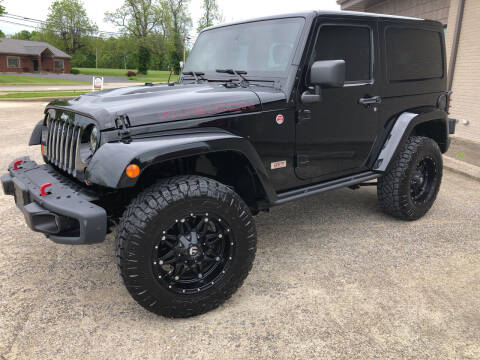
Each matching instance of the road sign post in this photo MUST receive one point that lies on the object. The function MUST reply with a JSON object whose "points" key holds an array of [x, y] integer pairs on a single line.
{"points": [[97, 83]]}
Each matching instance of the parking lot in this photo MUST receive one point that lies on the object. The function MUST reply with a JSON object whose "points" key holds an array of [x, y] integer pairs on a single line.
{"points": [[333, 278]]}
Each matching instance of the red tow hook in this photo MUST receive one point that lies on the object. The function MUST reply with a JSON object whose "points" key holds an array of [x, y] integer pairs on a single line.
{"points": [[16, 164], [42, 189]]}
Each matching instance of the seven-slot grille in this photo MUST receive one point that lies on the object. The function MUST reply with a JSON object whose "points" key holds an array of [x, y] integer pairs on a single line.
{"points": [[63, 141]]}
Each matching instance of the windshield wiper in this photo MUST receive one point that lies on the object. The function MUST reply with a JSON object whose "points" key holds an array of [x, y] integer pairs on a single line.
{"points": [[196, 74], [238, 73]]}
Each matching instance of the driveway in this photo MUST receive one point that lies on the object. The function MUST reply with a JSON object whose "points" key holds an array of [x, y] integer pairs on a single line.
{"points": [[333, 278]]}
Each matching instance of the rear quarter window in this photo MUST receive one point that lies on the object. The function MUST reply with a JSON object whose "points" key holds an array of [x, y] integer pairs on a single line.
{"points": [[414, 54]]}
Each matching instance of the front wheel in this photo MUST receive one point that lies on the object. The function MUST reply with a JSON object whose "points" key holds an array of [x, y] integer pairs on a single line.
{"points": [[409, 188], [185, 245]]}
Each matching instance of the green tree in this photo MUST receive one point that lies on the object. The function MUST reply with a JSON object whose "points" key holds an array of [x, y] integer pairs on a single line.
{"points": [[211, 15], [140, 19], [2, 34], [115, 53], [47, 36], [68, 19], [179, 24], [2, 9], [24, 35]]}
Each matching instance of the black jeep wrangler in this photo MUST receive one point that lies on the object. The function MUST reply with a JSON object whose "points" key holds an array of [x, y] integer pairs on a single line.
{"points": [[265, 112]]}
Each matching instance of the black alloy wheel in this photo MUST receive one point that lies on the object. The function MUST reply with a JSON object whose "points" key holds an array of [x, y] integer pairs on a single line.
{"points": [[193, 253], [423, 180]]}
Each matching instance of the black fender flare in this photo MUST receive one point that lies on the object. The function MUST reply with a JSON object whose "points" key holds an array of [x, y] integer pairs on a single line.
{"points": [[400, 132], [36, 136], [107, 166]]}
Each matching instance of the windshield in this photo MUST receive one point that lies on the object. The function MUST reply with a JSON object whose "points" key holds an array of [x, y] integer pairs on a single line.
{"points": [[259, 48]]}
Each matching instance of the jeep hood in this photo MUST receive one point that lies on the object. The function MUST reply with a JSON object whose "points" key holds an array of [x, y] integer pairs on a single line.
{"points": [[162, 103]]}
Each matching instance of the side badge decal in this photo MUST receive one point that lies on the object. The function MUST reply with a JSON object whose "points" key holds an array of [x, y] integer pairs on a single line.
{"points": [[280, 119], [278, 165]]}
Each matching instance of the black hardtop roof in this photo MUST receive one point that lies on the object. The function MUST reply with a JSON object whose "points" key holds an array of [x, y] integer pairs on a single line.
{"points": [[312, 14]]}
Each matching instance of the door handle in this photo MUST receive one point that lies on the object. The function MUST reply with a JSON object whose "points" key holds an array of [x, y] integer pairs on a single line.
{"points": [[370, 100]]}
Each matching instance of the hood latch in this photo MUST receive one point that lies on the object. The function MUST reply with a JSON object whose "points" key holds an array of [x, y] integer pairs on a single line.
{"points": [[122, 123]]}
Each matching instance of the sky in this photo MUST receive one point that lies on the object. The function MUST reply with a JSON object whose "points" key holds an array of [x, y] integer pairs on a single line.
{"points": [[233, 10]]}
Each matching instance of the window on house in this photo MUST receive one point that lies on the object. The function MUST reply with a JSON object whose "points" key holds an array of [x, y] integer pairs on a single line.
{"points": [[349, 43], [414, 54], [58, 64], [13, 62]]}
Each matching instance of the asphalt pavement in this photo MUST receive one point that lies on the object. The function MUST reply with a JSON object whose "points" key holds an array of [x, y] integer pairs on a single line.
{"points": [[334, 278]]}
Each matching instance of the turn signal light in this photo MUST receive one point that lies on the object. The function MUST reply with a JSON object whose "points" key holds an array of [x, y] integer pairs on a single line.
{"points": [[44, 150], [132, 171]]}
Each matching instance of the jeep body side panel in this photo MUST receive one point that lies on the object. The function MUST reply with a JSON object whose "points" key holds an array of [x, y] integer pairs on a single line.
{"points": [[107, 167], [409, 102]]}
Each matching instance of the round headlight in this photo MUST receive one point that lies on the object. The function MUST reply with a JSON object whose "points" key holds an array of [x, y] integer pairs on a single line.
{"points": [[94, 139]]}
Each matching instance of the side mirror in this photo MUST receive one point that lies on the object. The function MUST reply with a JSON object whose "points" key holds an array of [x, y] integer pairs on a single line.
{"points": [[326, 74]]}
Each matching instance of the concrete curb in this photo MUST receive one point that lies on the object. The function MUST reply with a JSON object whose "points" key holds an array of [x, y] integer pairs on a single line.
{"points": [[462, 167]]}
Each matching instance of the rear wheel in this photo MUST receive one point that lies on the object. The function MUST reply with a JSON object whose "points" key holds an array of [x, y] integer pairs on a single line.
{"points": [[410, 187], [185, 245]]}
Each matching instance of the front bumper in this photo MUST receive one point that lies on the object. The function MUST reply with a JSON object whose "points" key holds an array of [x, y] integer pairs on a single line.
{"points": [[67, 215]]}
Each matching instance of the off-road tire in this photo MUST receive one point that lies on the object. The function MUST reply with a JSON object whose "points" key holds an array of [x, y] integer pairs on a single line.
{"points": [[394, 188], [161, 203]]}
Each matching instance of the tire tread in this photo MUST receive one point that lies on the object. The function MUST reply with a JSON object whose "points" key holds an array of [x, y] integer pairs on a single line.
{"points": [[392, 188], [147, 205]]}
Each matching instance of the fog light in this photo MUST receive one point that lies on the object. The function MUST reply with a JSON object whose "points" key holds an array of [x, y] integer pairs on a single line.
{"points": [[132, 171]]}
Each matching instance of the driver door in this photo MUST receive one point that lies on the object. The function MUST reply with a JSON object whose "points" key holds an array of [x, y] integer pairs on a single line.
{"points": [[334, 136]]}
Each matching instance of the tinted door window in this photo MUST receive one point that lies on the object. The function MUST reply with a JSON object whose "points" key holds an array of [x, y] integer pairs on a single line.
{"points": [[349, 43], [414, 54]]}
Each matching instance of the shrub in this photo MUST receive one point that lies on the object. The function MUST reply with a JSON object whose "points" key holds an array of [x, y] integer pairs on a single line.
{"points": [[143, 60], [26, 69], [74, 71], [131, 74]]}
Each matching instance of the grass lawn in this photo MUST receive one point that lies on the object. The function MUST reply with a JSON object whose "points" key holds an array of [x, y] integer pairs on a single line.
{"points": [[152, 76], [40, 94], [33, 80], [103, 72]]}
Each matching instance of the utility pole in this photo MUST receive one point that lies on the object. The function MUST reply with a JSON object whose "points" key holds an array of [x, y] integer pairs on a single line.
{"points": [[96, 58], [187, 38]]}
